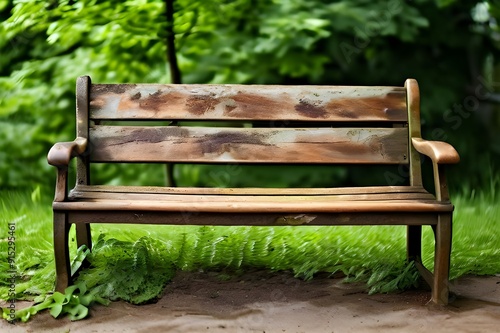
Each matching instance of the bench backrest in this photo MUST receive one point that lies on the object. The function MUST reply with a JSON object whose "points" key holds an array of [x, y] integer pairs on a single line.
{"points": [[290, 124]]}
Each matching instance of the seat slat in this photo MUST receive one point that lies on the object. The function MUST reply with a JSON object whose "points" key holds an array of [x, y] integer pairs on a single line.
{"points": [[248, 145], [249, 190], [77, 196], [247, 102], [266, 205], [397, 199]]}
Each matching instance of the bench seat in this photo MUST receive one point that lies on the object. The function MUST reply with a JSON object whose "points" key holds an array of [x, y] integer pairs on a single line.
{"points": [[247, 200]]}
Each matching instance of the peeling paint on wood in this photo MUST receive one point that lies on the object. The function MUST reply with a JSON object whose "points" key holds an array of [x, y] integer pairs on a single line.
{"points": [[311, 109], [249, 145], [248, 102], [299, 219]]}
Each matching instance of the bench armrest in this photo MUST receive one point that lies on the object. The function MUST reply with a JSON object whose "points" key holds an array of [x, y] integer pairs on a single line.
{"points": [[62, 152], [438, 151], [59, 156]]}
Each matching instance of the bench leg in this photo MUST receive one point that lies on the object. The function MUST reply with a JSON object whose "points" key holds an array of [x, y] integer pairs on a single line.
{"points": [[443, 230], [414, 243], [61, 251], [83, 235]]}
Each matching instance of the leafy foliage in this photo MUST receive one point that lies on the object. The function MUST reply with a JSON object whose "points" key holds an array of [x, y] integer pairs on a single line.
{"points": [[75, 303], [446, 45], [133, 271]]}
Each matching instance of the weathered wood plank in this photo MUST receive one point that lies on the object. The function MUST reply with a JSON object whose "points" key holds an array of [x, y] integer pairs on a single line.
{"points": [[249, 145], [413, 93], [248, 102], [80, 196], [249, 190], [267, 204], [251, 219], [83, 84]]}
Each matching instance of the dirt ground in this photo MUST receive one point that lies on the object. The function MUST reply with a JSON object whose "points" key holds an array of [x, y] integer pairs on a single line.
{"points": [[277, 302]]}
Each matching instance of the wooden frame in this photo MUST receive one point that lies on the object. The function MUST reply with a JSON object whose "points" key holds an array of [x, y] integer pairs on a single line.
{"points": [[325, 125]]}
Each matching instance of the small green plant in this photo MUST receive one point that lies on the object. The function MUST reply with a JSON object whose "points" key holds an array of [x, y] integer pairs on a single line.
{"points": [[385, 279], [136, 271], [75, 303]]}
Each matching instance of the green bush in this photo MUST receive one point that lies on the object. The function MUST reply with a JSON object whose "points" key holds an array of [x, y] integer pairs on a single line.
{"points": [[47, 44]]}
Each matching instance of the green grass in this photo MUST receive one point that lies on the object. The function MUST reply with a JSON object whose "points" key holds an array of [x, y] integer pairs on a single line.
{"points": [[135, 262]]}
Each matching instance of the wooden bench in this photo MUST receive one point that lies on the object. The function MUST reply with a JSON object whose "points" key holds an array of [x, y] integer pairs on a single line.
{"points": [[324, 125]]}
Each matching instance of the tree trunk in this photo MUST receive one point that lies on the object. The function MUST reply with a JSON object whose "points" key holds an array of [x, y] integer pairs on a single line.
{"points": [[175, 73]]}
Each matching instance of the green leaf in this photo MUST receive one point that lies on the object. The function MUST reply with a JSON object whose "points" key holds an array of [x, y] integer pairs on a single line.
{"points": [[78, 312], [59, 298], [56, 309]]}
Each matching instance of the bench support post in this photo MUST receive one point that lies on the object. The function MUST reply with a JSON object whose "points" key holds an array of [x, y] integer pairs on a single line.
{"points": [[83, 235], [61, 251], [443, 232], [414, 243]]}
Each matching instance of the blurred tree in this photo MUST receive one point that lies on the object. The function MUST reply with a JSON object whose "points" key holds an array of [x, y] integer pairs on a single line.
{"points": [[447, 45]]}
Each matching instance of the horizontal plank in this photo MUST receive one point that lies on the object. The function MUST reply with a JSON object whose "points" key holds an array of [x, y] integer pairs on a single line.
{"points": [[82, 196], [247, 102], [252, 219], [248, 145], [248, 190], [265, 205]]}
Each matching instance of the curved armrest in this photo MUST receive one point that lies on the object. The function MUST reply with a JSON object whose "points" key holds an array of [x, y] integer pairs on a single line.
{"points": [[439, 152], [62, 152], [59, 156]]}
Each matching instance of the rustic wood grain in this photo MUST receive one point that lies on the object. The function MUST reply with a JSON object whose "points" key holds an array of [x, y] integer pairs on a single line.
{"points": [[266, 204], [249, 145], [61, 250], [248, 102], [83, 84], [249, 219], [247, 190], [443, 236], [81, 196], [413, 95]]}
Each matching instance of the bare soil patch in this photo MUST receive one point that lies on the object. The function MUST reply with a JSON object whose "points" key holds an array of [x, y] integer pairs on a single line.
{"points": [[277, 302]]}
